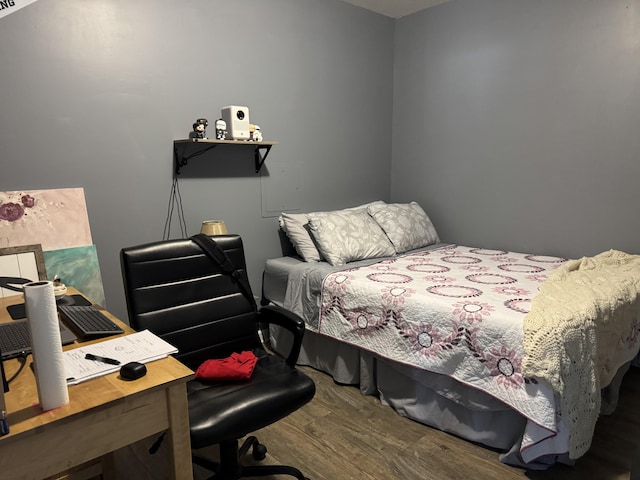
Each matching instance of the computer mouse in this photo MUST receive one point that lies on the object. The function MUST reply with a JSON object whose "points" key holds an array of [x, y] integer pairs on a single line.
{"points": [[133, 370]]}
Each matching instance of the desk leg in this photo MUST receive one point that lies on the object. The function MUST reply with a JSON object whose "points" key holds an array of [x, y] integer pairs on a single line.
{"points": [[178, 433], [108, 467]]}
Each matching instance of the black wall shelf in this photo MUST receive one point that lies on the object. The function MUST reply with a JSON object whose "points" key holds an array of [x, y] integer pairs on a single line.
{"points": [[185, 150]]}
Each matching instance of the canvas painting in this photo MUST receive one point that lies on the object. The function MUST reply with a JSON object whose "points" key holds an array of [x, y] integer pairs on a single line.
{"points": [[58, 220], [77, 267], [54, 218]]}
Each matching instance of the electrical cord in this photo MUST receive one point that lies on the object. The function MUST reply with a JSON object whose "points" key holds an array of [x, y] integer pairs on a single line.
{"points": [[23, 361], [175, 201]]}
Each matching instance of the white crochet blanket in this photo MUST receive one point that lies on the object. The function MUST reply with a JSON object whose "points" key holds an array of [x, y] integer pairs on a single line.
{"points": [[583, 325]]}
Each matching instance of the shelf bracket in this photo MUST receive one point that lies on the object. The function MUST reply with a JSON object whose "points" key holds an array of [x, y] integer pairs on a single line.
{"points": [[181, 160], [259, 157]]}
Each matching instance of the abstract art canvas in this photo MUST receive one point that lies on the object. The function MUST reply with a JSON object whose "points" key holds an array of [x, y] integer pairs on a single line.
{"points": [[77, 267], [56, 219]]}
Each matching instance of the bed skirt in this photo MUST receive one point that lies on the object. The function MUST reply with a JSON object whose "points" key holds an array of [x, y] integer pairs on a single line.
{"points": [[429, 398]]}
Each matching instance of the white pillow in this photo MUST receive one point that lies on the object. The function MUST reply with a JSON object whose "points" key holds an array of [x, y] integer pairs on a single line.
{"points": [[406, 224], [296, 226], [345, 236]]}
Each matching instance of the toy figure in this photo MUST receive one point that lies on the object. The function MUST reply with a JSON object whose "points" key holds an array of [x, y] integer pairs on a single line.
{"points": [[199, 128], [257, 135], [221, 129]]}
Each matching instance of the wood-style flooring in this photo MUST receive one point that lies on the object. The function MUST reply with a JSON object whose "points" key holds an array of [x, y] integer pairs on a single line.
{"points": [[342, 435]]}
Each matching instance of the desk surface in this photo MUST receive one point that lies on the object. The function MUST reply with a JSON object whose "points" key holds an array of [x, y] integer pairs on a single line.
{"points": [[26, 418]]}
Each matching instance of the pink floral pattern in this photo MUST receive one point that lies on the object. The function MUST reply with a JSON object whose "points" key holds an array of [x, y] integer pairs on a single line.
{"points": [[511, 291], [505, 366], [28, 201], [11, 211], [453, 310], [424, 338], [470, 312], [14, 211]]}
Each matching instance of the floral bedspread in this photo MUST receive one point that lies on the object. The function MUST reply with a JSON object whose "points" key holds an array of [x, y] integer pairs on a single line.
{"points": [[455, 310]]}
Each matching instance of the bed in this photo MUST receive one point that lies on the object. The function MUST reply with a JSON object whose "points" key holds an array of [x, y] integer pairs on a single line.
{"points": [[460, 338]]}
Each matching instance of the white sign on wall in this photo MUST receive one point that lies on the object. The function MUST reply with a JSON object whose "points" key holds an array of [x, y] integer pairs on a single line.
{"points": [[10, 6]]}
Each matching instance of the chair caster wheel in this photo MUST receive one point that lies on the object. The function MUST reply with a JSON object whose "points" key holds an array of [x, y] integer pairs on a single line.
{"points": [[259, 451]]}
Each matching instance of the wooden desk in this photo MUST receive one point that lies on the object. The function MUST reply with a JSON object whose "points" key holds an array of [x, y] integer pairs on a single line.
{"points": [[103, 415]]}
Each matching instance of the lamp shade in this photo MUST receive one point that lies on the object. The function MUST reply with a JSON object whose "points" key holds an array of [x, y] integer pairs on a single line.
{"points": [[214, 227]]}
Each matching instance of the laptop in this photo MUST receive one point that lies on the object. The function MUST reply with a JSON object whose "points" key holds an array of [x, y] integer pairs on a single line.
{"points": [[15, 339]]}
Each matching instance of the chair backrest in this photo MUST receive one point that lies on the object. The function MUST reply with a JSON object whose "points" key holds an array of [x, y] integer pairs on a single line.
{"points": [[173, 289]]}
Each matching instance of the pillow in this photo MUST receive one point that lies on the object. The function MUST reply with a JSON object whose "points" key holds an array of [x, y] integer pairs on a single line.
{"points": [[406, 224], [348, 235], [296, 226]]}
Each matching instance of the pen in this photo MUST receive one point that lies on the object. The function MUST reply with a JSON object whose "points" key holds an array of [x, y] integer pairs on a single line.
{"points": [[110, 361]]}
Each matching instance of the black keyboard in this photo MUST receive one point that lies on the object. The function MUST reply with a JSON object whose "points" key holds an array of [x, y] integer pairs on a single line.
{"points": [[14, 337], [87, 321]]}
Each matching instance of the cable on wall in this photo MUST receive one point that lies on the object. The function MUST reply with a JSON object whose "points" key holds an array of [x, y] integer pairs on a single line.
{"points": [[175, 202]]}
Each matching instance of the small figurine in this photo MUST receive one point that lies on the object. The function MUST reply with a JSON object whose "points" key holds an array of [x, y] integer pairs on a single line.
{"points": [[199, 128], [221, 129], [59, 288], [252, 131], [257, 134]]}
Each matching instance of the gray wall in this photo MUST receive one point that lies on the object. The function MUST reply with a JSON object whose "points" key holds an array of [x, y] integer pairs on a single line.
{"points": [[516, 123], [94, 92]]}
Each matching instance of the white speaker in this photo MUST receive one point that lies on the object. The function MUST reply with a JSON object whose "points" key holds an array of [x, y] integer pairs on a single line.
{"points": [[237, 119]]}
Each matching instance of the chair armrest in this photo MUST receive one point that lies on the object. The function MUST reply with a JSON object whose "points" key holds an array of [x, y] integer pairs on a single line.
{"points": [[273, 314]]}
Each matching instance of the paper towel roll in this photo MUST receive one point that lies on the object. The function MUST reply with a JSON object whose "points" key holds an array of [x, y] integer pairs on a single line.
{"points": [[46, 345]]}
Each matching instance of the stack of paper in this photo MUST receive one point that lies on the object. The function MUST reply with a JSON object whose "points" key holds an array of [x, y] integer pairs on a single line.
{"points": [[138, 347]]}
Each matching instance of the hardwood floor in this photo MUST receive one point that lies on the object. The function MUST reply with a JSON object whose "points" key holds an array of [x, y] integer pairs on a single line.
{"points": [[343, 435]]}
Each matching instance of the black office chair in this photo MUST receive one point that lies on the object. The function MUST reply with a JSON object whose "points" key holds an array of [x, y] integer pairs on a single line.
{"points": [[182, 295]]}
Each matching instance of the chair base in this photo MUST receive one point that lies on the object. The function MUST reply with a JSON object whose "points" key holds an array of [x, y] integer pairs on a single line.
{"points": [[229, 467]]}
